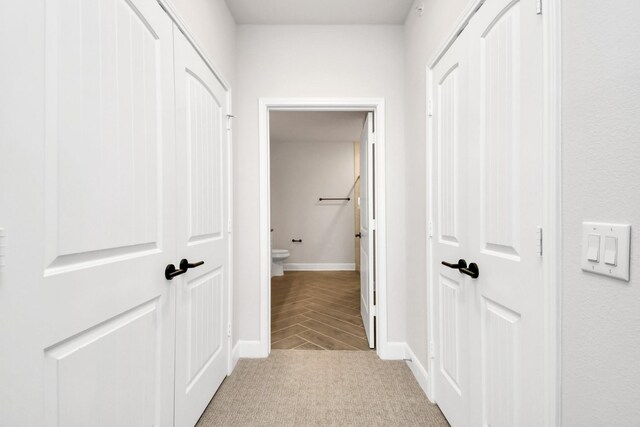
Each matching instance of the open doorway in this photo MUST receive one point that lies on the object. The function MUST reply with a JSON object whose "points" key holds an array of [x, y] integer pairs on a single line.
{"points": [[326, 265], [315, 245]]}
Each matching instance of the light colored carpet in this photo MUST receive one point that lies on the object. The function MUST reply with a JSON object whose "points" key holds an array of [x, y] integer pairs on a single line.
{"points": [[321, 388]]}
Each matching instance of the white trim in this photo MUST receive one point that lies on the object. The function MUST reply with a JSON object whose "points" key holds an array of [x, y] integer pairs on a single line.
{"points": [[419, 371], [552, 201], [235, 356], [462, 22], [248, 350], [394, 351], [429, 265], [231, 236], [301, 266], [322, 104], [552, 206], [265, 228]]}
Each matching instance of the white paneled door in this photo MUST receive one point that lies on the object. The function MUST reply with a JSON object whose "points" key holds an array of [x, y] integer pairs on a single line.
{"points": [[506, 188], [451, 210], [202, 213], [87, 331], [367, 231], [132, 176], [495, 332]]}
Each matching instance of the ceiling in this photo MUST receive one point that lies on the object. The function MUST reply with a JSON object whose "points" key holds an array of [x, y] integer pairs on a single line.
{"points": [[313, 12], [316, 126]]}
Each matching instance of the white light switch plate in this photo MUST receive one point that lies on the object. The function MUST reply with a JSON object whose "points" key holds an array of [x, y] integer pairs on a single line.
{"points": [[622, 234]]}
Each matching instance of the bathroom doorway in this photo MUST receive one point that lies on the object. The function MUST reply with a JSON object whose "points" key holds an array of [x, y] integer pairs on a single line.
{"points": [[315, 286], [319, 297]]}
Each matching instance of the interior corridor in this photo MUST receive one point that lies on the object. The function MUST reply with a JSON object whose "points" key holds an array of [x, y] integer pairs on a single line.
{"points": [[317, 310]]}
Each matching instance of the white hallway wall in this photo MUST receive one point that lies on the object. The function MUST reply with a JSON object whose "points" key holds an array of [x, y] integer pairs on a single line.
{"points": [[314, 61], [301, 172], [601, 182]]}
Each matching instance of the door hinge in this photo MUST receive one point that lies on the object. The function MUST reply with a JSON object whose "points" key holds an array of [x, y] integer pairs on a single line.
{"points": [[372, 224], [432, 350], [539, 7], [430, 108], [229, 226], [230, 117], [374, 310], [430, 229], [539, 241], [228, 330]]}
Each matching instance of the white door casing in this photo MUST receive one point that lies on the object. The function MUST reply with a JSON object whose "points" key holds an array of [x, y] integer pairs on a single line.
{"points": [[367, 231], [89, 336], [451, 209], [505, 304], [384, 348], [202, 216]]}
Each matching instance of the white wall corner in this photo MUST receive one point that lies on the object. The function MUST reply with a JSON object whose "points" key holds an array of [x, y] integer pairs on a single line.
{"points": [[419, 371], [393, 351]]}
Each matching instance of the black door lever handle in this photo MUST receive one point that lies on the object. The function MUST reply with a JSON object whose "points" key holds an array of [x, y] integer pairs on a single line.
{"points": [[472, 271], [170, 272], [185, 265], [461, 264]]}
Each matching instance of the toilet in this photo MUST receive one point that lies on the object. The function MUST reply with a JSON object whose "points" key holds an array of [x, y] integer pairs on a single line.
{"points": [[277, 261]]}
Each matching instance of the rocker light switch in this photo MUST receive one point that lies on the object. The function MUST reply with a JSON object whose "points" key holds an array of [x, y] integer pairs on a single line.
{"points": [[611, 250], [593, 248], [606, 249]]}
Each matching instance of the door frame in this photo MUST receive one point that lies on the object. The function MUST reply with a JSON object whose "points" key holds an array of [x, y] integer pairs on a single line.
{"points": [[180, 24], [377, 105], [552, 213]]}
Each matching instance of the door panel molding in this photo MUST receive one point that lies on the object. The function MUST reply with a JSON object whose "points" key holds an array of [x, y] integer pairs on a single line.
{"points": [[450, 335], [500, 328], [74, 364]]}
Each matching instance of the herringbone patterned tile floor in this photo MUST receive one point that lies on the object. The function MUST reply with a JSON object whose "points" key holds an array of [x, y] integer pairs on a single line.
{"points": [[317, 310]]}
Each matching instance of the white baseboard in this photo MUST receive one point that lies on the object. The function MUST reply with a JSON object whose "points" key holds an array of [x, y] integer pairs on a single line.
{"points": [[419, 371], [393, 351], [245, 349], [299, 266], [248, 349], [235, 356]]}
